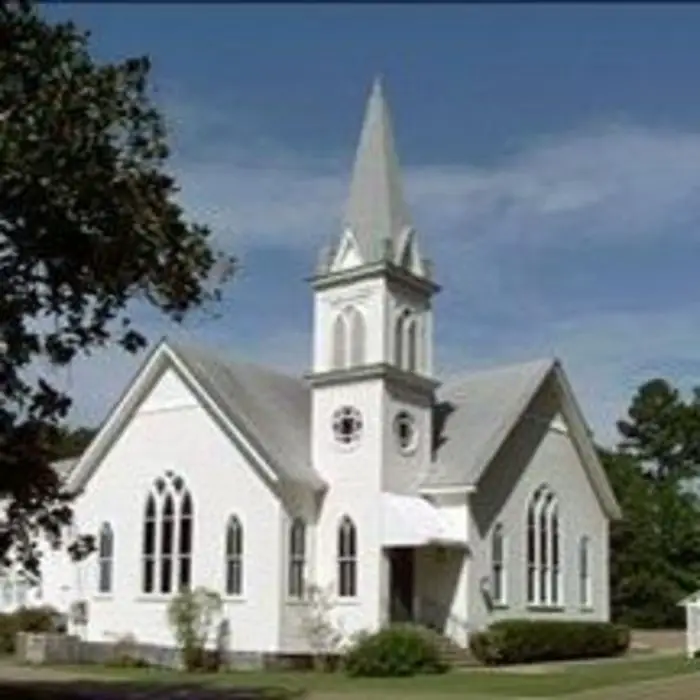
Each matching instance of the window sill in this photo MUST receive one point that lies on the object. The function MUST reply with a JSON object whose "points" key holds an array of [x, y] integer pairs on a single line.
{"points": [[500, 606], [541, 607], [154, 597], [237, 599], [103, 597], [296, 602], [587, 609]]}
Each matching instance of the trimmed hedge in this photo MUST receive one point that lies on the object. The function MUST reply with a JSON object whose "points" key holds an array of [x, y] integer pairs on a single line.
{"points": [[525, 641], [396, 651], [40, 619]]}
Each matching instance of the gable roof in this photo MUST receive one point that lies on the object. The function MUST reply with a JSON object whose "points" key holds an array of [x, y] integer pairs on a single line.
{"points": [[476, 413], [269, 411], [272, 408]]}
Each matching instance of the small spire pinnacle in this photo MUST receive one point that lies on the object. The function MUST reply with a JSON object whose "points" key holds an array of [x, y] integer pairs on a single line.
{"points": [[376, 210]]}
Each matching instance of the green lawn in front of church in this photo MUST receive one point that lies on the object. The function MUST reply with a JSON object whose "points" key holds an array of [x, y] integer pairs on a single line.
{"points": [[543, 681]]}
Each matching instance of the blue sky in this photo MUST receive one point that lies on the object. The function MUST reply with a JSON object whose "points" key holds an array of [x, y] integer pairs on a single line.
{"points": [[551, 158]]}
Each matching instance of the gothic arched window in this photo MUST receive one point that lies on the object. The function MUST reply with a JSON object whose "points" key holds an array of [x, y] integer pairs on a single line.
{"points": [[234, 557], [297, 559], [584, 572], [407, 341], [105, 558], [498, 584], [167, 536], [349, 339], [357, 337], [542, 546], [347, 558], [340, 335]]}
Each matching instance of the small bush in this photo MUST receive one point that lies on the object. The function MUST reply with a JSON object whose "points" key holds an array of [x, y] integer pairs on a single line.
{"points": [[125, 654], [395, 651], [41, 619], [192, 616], [524, 641]]}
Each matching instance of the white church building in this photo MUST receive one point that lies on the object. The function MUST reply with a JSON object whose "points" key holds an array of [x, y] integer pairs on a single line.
{"points": [[450, 504]]}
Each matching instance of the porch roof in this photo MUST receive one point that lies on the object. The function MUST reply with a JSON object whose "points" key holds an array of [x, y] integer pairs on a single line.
{"points": [[411, 521]]}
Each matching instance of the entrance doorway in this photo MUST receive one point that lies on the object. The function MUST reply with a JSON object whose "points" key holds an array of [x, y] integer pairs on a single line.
{"points": [[401, 585]]}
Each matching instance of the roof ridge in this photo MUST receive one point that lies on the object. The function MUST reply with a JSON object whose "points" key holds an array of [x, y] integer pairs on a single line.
{"points": [[475, 373]]}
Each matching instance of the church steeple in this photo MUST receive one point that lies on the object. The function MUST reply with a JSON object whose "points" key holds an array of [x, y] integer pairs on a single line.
{"points": [[376, 212], [373, 291], [376, 223]]}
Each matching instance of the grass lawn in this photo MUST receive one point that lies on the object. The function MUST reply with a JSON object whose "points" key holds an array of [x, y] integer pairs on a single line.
{"points": [[477, 683]]}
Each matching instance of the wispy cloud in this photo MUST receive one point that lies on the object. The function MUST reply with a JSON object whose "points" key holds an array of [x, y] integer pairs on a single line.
{"points": [[487, 227]]}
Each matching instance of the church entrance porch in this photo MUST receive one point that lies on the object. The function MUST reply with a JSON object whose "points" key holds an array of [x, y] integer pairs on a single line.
{"points": [[426, 566], [402, 588], [426, 586]]}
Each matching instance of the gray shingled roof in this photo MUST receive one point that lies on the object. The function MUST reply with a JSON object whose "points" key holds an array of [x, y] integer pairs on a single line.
{"points": [[272, 409], [275, 410], [474, 414]]}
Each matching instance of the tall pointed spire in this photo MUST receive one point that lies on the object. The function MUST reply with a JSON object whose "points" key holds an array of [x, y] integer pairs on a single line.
{"points": [[376, 211]]}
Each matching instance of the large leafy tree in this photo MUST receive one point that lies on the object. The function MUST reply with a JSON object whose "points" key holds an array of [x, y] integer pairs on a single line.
{"points": [[89, 223], [655, 473]]}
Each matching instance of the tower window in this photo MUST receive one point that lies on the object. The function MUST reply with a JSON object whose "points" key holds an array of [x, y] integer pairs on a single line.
{"points": [[405, 431], [407, 341], [349, 339], [347, 425]]}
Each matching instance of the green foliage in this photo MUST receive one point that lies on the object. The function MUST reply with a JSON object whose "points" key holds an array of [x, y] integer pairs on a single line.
{"points": [[89, 224], [40, 619], [396, 651], [321, 631], [655, 549], [125, 654], [192, 616], [525, 641], [66, 442]]}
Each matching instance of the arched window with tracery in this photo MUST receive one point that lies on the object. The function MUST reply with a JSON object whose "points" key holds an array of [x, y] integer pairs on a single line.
{"points": [[347, 558], [105, 558], [168, 529], [543, 549], [234, 557]]}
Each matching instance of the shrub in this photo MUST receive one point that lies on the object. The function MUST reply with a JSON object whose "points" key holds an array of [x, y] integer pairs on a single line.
{"points": [[400, 650], [125, 654], [192, 616], [40, 619], [322, 632], [523, 641]]}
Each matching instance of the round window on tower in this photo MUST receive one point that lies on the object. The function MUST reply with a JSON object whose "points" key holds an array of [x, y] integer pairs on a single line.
{"points": [[405, 431], [347, 425]]}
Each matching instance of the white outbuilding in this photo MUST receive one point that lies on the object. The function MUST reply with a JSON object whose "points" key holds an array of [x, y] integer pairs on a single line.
{"points": [[692, 623]]}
